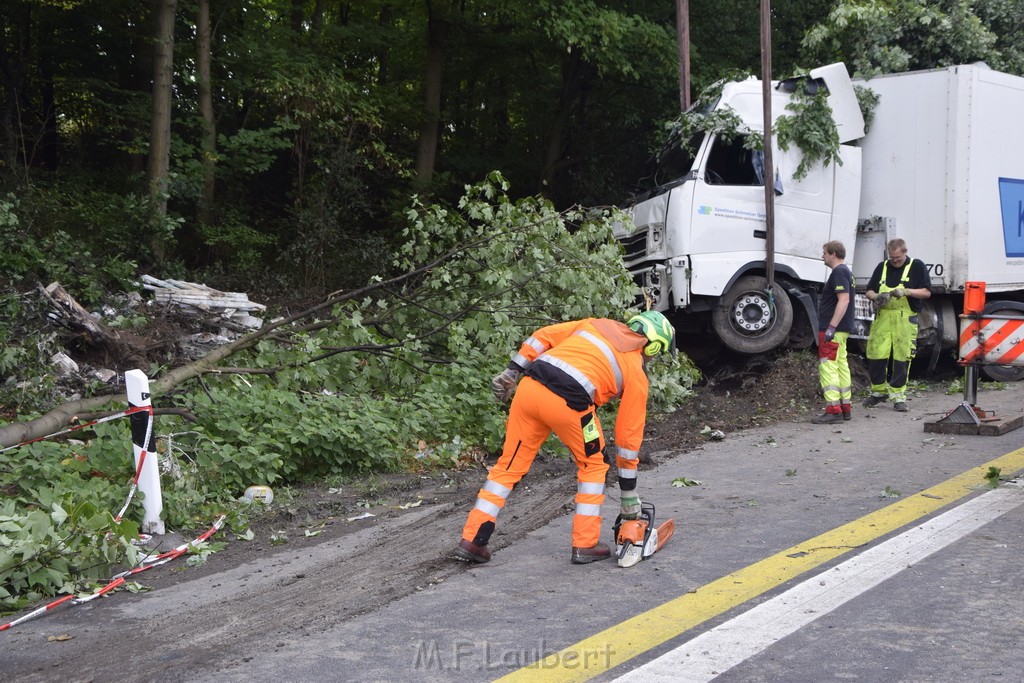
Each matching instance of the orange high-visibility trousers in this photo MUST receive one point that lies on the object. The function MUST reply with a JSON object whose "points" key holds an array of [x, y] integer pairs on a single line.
{"points": [[534, 414]]}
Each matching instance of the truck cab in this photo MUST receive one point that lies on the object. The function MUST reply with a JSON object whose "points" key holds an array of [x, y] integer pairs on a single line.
{"points": [[697, 245]]}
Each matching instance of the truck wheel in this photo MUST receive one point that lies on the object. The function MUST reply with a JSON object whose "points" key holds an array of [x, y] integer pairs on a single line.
{"points": [[1004, 373], [748, 321]]}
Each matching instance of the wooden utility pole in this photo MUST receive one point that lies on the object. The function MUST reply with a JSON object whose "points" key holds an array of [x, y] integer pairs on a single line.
{"points": [[769, 169], [683, 43]]}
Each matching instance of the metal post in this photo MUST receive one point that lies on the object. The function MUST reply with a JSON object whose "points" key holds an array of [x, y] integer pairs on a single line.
{"points": [[137, 386], [971, 384]]}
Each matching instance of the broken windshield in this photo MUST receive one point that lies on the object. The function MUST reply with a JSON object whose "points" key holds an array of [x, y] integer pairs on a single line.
{"points": [[675, 160]]}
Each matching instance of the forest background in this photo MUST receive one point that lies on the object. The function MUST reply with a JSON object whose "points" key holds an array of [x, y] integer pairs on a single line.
{"points": [[412, 185]]}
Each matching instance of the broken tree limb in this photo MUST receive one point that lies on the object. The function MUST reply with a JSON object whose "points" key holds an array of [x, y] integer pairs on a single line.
{"points": [[69, 314], [58, 418]]}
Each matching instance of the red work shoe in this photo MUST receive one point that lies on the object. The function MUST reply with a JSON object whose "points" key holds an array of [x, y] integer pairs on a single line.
{"points": [[588, 555], [470, 552]]}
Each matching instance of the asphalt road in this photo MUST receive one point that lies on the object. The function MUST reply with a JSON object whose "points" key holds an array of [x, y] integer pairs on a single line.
{"points": [[954, 615], [779, 510]]}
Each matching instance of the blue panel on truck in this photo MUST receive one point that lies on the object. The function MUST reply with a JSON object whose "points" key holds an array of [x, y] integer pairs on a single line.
{"points": [[1011, 197]]}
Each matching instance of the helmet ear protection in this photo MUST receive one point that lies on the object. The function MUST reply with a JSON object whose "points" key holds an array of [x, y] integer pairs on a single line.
{"points": [[652, 348], [656, 328]]}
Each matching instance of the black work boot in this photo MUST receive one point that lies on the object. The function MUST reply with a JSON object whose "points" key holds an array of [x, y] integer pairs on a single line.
{"points": [[468, 551], [588, 555]]}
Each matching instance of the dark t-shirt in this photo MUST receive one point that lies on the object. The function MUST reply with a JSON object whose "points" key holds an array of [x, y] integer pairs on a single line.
{"points": [[839, 282], [918, 279]]}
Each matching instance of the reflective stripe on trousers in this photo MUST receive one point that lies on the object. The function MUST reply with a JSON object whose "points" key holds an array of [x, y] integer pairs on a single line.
{"points": [[834, 375], [535, 413]]}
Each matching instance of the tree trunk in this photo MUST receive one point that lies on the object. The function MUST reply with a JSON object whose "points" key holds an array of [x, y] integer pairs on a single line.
{"points": [[205, 92], [160, 121], [317, 20], [384, 19], [13, 60], [426, 153], [570, 90]]}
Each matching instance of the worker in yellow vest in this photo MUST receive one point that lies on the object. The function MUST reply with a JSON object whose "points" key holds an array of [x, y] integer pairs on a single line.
{"points": [[896, 289]]}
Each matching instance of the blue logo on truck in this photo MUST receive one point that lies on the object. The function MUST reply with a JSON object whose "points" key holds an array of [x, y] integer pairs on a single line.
{"points": [[1011, 200]]}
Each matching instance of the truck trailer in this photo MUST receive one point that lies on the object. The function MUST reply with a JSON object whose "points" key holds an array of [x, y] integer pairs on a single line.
{"points": [[941, 166]]}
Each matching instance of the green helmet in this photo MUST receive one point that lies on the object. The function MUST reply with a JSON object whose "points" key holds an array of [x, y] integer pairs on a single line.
{"points": [[656, 328]]}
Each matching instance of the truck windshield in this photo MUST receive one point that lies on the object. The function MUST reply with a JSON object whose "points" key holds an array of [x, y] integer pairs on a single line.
{"points": [[674, 162], [669, 167], [676, 159]]}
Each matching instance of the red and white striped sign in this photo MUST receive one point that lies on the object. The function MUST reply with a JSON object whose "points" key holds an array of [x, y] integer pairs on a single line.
{"points": [[998, 340]]}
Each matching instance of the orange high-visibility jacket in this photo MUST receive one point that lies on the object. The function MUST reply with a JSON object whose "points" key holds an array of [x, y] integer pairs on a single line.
{"points": [[605, 358]]}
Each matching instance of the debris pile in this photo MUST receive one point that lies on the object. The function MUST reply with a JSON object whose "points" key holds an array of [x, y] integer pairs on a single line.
{"points": [[233, 306]]}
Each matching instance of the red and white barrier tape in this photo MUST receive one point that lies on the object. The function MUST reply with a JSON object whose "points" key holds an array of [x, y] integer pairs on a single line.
{"points": [[142, 461], [131, 411], [142, 455], [120, 579]]}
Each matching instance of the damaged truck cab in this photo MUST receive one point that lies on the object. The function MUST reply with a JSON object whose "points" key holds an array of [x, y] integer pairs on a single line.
{"points": [[939, 167], [699, 239]]}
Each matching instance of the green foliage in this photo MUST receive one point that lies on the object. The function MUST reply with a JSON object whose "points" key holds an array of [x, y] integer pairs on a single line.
{"points": [[993, 476], [56, 529], [58, 549], [892, 36], [505, 268], [867, 100], [50, 236], [706, 118], [890, 492], [57, 532], [811, 128]]}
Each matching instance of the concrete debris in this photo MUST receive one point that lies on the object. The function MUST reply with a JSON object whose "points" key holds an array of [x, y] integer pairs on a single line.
{"points": [[234, 306], [64, 363]]}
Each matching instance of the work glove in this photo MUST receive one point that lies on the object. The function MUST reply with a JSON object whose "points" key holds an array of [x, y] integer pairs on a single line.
{"points": [[630, 506], [880, 300], [898, 293], [504, 385], [830, 332]]}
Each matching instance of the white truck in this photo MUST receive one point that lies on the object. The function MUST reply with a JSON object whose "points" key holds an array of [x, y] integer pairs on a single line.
{"points": [[942, 166]]}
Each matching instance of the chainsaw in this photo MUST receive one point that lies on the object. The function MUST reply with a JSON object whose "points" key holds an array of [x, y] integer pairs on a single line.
{"points": [[638, 539]]}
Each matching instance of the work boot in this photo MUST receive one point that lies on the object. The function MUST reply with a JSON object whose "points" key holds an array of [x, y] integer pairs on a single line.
{"points": [[847, 416], [900, 406], [827, 418], [468, 551], [587, 555], [872, 401]]}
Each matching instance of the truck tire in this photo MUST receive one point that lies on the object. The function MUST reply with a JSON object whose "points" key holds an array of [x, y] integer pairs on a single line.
{"points": [[748, 321], [1004, 373]]}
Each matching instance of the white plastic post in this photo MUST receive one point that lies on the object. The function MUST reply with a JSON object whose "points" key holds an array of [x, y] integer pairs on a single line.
{"points": [[137, 385]]}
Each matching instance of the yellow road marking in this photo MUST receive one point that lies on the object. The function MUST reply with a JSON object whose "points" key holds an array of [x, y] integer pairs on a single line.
{"points": [[613, 646]]}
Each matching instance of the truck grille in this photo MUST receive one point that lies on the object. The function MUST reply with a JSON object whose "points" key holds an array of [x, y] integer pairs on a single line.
{"points": [[635, 245]]}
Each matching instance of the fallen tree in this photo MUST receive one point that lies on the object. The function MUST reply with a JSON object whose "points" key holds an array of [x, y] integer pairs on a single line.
{"points": [[77, 319], [495, 269]]}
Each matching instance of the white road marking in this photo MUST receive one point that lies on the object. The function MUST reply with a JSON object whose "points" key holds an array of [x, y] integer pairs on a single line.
{"points": [[723, 647]]}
